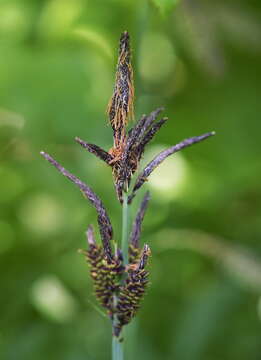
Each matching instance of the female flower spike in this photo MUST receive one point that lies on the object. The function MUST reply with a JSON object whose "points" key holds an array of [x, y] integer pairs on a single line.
{"points": [[120, 280]]}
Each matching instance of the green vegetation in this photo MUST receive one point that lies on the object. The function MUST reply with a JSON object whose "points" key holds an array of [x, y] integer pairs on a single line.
{"points": [[202, 63]]}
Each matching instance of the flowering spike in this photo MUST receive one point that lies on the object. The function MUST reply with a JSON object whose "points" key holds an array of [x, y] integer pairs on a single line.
{"points": [[161, 157], [120, 107], [96, 150], [103, 273], [132, 291], [103, 218]]}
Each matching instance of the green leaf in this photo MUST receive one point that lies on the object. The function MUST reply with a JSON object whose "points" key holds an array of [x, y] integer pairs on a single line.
{"points": [[165, 6]]}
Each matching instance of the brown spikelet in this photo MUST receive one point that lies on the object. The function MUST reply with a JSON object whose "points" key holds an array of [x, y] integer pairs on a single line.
{"points": [[120, 107]]}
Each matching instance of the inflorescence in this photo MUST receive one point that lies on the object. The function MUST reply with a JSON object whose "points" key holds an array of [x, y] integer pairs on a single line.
{"points": [[120, 283]]}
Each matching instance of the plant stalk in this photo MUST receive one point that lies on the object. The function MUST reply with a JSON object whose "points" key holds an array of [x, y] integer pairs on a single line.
{"points": [[117, 349], [124, 234], [117, 346]]}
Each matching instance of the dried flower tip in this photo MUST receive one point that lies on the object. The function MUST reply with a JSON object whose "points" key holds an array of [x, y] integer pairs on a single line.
{"points": [[120, 107], [162, 156], [103, 218], [96, 150], [146, 253], [90, 236]]}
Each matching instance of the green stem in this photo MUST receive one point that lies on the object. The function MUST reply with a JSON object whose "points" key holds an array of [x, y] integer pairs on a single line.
{"points": [[117, 349], [117, 346], [124, 235]]}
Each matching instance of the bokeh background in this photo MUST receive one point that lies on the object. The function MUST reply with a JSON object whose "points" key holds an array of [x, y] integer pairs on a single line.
{"points": [[199, 59]]}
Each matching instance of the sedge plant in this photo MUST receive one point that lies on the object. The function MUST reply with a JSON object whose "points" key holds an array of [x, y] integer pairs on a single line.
{"points": [[118, 269]]}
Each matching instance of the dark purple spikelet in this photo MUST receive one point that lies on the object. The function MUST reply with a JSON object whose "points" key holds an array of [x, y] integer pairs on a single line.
{"points": [[134, 250], [144, 124], [161, 157], [103, 218], [96, 150], [150, 134]]}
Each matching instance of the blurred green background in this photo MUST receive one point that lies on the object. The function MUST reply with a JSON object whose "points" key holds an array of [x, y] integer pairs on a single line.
{"points": [[199, 59]]}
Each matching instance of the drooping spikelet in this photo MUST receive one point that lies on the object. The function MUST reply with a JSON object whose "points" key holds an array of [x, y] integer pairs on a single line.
{"points": [[134, 248]]}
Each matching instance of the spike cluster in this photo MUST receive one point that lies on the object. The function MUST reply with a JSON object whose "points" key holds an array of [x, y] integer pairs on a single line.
{"points": [[128, 146], [106, 267], [107, 275], [120, 288]]}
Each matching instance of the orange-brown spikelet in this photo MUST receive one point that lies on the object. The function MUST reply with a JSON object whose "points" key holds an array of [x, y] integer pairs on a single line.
{"points": [[120, 107]]}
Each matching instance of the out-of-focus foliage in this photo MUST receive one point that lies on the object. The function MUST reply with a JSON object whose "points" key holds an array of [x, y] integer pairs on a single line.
{"points": [[199, 59], [165, 5]]}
